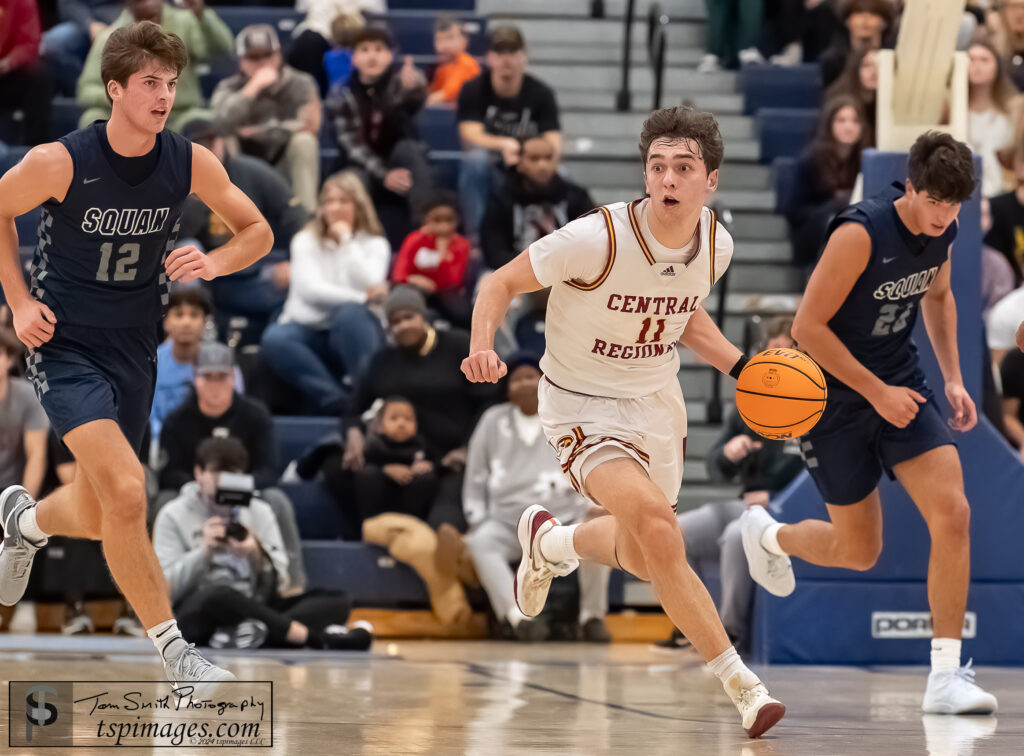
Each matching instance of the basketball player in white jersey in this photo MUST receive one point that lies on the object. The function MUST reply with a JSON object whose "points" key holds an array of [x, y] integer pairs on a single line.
{"points": [[627, 282]]}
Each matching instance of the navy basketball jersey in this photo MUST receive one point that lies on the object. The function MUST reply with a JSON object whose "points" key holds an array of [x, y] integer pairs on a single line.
{"points": [[99, 261], [878, 316]]}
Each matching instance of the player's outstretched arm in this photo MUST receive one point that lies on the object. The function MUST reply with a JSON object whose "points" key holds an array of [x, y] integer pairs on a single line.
{"points": [[938, 308], [845, 257], [252, 238], [492, 302], [45, 172], [703, 337]]}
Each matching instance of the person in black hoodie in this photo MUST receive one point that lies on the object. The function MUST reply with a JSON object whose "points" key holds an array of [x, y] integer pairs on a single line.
{"points": [[398, 474], [535, 201], [373, 122]]}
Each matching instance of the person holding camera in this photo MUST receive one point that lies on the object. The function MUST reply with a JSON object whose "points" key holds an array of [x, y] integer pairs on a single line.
{"points": [[222, 553]]}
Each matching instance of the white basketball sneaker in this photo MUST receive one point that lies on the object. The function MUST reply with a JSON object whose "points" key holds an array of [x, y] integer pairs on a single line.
{"points": [[760, 712], [955, 692], [16, 550], [190, 674], [535, 573], [772, 572]]}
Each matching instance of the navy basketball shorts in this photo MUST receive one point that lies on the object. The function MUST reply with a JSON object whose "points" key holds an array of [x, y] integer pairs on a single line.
{"points": [[851, 446], [84, 374]]}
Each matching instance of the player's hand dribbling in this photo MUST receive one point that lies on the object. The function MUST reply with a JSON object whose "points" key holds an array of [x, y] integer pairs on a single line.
{"points": [[897, 405], [965, 414], [33, 323], [484, 367], [188, 263]]}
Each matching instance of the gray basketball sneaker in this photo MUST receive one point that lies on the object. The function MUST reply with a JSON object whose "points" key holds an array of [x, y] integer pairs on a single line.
{"points": [[16, 551], [190, 674]]}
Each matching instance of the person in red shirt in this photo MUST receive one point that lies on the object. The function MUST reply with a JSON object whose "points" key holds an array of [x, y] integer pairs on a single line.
{"points": [[25, 84], [434, 259], [455, 65]]}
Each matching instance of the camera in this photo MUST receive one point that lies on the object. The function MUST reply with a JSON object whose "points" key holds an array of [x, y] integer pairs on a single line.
{"points": [[234, 490]]}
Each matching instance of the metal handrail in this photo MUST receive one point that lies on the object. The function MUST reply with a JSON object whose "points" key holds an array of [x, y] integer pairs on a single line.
{"points": [[657, 21]]}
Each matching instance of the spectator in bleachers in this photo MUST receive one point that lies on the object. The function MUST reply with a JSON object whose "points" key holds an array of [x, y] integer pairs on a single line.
{"points": [[997, 278], [23, 424], [273, 111], [860, 80], [763, 468], [229, 571], [328, 24], [734, 34], [509, 467], [339, 267], [1003, 319], [187, 313], [496, 111], [423, 365], [257, 292], [990, 92], [1012, 374], [373, 121], [205, 36], [67, 43], [434, 258], [26, 84], [868, 25], [826, 174], [455, 66], [215, 409], [534, 201], [1009, 38], [398, 471], [1006, 234]]}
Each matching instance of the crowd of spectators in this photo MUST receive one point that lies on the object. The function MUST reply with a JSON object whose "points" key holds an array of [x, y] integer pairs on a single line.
{"points": [[361, 311]]}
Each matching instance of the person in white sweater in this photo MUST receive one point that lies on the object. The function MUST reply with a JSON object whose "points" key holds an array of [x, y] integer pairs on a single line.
{"points": [[510, 466], [339, 265]]}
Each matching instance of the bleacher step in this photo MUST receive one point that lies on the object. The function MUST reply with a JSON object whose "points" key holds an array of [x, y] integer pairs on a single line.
{"points": [[732, 127], [606, 77], [581, 8], [611, 172], [584, 99], [605, 33], [625, 147]]}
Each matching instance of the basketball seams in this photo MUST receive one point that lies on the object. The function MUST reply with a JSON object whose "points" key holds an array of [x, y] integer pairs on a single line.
{"points": [[821, 385], [755, 425], [780, 396]]}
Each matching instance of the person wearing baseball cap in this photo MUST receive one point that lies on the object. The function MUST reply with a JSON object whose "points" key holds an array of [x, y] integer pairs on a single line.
{"points": [[496, 111], [273, 110]]}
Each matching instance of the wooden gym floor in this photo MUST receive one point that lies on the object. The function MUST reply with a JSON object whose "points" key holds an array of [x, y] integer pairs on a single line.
{"points": [[491, 699]]}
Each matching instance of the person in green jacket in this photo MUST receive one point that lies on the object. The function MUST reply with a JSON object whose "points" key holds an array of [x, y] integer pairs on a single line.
{"points": [[205, 37]]}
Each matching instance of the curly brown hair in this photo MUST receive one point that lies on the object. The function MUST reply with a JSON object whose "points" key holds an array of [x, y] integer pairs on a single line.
{"points": [[942, 166], [685, 122], [129, 48]]}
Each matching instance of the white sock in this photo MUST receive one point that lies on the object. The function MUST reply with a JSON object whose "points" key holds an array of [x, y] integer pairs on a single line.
{"points": [[556, 545], [945, 654], [164, 634], [727, 664], [29, 527], [770, 539], [514, 617]]}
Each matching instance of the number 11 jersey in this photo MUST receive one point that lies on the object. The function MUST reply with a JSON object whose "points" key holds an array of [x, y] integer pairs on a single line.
{"points": [[620, 301], [99, 260]]}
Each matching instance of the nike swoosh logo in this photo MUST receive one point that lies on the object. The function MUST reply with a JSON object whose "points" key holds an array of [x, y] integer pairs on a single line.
{"points": [[89, 181], [887, 260]]}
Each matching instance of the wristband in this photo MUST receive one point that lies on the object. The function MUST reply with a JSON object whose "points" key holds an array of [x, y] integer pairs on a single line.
{"points": [[740, 364]]}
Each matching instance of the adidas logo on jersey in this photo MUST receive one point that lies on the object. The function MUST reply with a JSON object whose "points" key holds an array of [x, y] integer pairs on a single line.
{"points": [[669, 271]]}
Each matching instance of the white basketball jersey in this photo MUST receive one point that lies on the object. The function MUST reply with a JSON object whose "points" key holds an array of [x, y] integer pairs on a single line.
{"points": [[620, 301]]}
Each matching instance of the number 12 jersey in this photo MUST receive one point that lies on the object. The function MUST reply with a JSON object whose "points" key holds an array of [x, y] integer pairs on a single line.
{"points": [[99, 260]]}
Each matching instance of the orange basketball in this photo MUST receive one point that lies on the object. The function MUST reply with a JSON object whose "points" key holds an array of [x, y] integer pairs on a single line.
{"points": [[781, 393]]}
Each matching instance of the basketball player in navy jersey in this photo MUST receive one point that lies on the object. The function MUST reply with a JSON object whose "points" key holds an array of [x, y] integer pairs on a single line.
{"points": [[111, 197], [885, 259]]}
